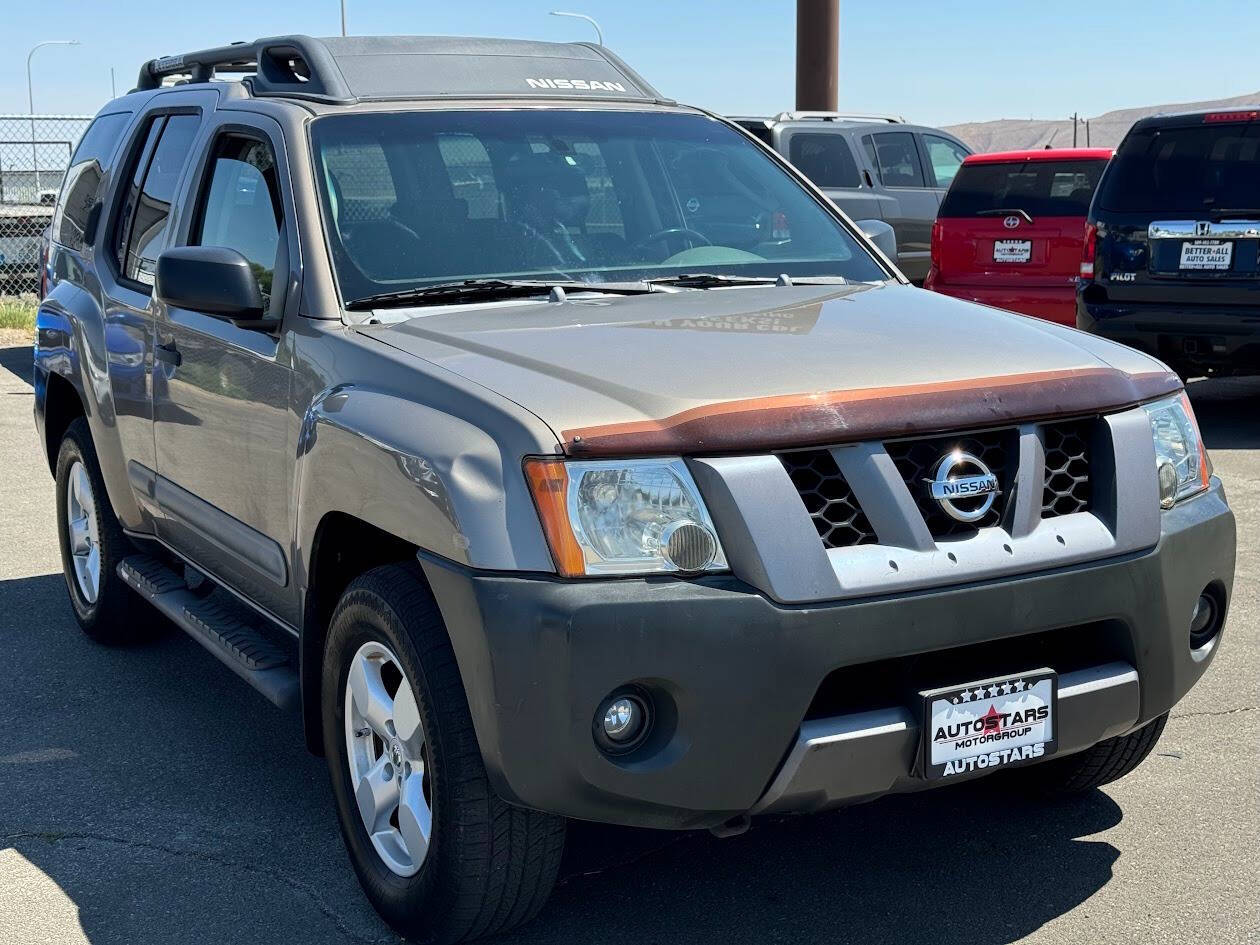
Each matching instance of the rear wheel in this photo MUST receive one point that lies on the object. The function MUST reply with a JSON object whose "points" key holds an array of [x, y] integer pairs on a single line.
{"points": [[439, 854], [1103, 763], [92, 543]]}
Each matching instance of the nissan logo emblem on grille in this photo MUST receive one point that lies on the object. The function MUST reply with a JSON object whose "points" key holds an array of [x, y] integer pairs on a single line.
{"points": [[1011, 222], [964, 487]]}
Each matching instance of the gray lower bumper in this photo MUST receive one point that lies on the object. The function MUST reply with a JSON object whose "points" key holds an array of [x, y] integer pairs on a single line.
{"points": [[745, 686], [866, 754]]}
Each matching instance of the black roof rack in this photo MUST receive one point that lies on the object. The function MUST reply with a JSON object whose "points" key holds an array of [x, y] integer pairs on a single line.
{"points": [[344, 70]]}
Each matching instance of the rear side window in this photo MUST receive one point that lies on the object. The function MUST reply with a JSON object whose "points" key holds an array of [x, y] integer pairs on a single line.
{"points": [[896, 158], [242, 208], [143, 224], [80, 191], [945, 156], [827, 160], [1193, 170], [1039, 188]]}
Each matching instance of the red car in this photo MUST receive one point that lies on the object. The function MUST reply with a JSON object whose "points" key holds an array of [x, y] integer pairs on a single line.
{"points": [[1011, 229]]}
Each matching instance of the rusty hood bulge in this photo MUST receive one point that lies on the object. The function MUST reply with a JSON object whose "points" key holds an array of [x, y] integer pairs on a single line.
{"points": [[722, 370]]}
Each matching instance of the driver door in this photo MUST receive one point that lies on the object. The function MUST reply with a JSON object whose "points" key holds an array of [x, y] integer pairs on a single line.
{"points": [[222, 427]]}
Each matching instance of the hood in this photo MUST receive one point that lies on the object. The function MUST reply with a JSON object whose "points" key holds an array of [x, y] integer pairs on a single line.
{"points": [[729, 369]]}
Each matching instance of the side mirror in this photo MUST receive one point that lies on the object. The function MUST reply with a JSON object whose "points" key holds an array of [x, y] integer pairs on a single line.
{"points": [[211, 279], [879, 233]]}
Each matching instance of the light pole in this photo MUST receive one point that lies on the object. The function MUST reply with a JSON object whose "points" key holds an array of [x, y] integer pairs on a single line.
{"points": [[343, 17], [30, 99], [589, 19]]}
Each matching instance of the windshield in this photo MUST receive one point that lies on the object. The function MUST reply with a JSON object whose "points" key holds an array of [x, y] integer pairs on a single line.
{"points": [[417, 198], [1191, 170], [1039, 188]]}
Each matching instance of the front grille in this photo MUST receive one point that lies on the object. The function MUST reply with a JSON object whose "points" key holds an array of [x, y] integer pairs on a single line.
{"points": [[840, 521], [1067, 487], [917, 460]]}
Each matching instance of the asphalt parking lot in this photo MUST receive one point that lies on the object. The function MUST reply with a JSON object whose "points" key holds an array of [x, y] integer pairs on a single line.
{"points": [[148, 796]]}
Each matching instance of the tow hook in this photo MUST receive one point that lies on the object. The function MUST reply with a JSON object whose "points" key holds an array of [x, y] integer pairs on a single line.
{"points": [[733, 827]]}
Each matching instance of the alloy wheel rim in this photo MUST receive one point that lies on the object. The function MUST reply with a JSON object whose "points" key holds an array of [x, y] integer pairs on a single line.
{"points": [[81, 530], [386, 751]]}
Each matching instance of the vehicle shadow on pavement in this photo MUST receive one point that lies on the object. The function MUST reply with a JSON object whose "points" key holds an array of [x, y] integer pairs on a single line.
{"points": [[151, 797], [19, 361], [146, 795], [976, 864], [1228, 411]]}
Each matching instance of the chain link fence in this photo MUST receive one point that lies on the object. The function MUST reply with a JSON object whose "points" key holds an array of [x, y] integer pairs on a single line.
{"points": [[34, 153]]}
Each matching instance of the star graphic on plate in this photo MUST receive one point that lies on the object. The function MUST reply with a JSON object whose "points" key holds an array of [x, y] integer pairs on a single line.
{"points": [[1019, 685], [978, 693], [1005, 687], [965, 697]]}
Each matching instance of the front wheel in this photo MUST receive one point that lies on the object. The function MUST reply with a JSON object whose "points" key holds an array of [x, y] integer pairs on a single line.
{"points": [[439, 854], [1105, 762]]}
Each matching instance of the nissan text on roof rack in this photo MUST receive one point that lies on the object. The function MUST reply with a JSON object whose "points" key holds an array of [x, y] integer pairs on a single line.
{"points": [[558, 451]]}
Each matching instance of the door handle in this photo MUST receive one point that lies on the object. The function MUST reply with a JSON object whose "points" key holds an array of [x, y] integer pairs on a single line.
{"points": [[168, 353]]}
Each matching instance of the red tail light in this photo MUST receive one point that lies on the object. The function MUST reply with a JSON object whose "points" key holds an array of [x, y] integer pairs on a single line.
{"points": [[1230, 116], [1091, 248], [938, 231]]}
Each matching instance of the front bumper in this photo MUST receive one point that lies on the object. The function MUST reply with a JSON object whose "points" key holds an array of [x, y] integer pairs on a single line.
{"points": [[1218, 339], [756, 698]]}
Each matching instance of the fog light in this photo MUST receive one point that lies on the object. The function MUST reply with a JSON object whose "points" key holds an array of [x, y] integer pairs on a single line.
{"points": [[1204, 621], [621, 719], [1168, 484], [621, 723]]}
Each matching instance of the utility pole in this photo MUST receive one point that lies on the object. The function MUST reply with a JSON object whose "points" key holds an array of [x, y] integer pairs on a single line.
{"points": [[817, 55], [113, 88], [343, 17], [1087, 132], [1073, 129], [30, 101]]}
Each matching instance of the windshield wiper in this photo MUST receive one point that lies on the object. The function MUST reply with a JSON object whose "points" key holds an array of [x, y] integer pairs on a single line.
{"points": [[1006, 212], [485, 290], [710, 280]]}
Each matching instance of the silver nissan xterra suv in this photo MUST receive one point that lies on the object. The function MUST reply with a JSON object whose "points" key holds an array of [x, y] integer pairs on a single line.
{"points": [[560, 452]]}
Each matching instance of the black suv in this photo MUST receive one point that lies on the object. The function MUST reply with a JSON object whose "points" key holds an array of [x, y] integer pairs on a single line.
{"points": [[1172, 246]]}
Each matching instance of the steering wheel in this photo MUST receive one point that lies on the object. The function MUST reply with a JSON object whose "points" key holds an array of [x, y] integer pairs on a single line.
{"points": [[695, 235]]}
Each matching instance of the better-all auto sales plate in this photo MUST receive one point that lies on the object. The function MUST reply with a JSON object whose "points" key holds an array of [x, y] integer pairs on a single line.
{"points": [[1206, 254], [993, 723]]}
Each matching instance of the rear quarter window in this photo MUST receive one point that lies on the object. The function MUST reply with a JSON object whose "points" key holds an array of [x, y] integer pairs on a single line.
{"points": [[81, 189], [1190, 169], [1039, 188], [826, 159]]}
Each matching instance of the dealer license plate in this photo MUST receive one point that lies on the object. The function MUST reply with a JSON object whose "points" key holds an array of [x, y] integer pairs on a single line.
{"points": [[1012, 251], [994, 723], [1206, 254]]}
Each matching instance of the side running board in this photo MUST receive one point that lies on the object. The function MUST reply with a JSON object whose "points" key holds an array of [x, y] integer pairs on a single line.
{"points": [[225, 629]]}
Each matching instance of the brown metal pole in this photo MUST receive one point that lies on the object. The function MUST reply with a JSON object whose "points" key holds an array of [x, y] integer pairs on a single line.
{"points": [[817, 55]]}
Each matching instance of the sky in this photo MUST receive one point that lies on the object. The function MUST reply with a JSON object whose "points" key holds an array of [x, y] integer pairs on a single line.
{"points": [[933, 62]]}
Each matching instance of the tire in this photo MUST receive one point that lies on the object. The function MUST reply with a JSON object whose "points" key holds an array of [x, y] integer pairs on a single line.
{"points": [[488, 866], [1105, 762], [107, 610]]}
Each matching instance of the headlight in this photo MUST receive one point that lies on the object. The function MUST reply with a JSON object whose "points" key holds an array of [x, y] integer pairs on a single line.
{"points": [[1181, 462], [623, 517]]}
